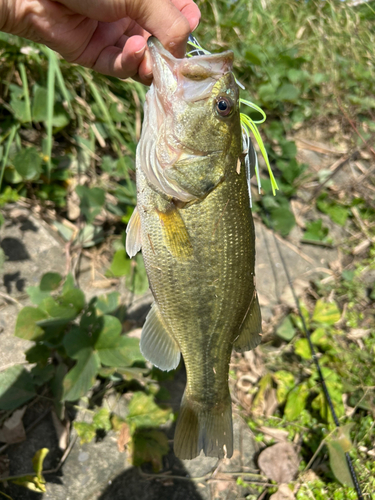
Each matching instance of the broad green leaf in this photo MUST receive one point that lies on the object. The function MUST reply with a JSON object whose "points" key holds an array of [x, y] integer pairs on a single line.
{"points": [[39, 353], [107, 304], [315, 231], [86, 432], [319, 337], [42, 374], [120, 265], [285, 382], [16, 387], [143, 412], [109, 334], [77, 340], [82, 377], [32, 483], [101, 419], [89, 236], [58, 313], [336, 212], [26, 324], [282, 220], [254, 54], [36, 295], [302, 348], [288, 92], [286, 330], [28, 163], [123, 354], [296, 402], [50, 282], [92, 201], [73, 298], [338, 463], [326, 313], [149, 446]]}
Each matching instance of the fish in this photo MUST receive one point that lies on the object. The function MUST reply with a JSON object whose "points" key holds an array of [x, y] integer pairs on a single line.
{"points": [[194, 225]]}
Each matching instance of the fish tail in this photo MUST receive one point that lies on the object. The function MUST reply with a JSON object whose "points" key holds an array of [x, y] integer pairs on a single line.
{"points": [[207, 429]]}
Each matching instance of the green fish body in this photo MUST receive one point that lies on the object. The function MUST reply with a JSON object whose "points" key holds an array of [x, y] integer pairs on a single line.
{"points": [[194, 224]]}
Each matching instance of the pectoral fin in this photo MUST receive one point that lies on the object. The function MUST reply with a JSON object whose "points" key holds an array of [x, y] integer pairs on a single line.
{"points": [[251, 329], [133, 234], [157, 344], [175, 235]]}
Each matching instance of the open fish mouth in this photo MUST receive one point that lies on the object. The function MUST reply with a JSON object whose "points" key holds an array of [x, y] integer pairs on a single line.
{"points": [[192, 77]]}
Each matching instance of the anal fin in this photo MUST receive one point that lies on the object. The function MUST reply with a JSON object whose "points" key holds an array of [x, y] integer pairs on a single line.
{"points": [[133, 234], [157, 345], [175, 235], [251, 328]]}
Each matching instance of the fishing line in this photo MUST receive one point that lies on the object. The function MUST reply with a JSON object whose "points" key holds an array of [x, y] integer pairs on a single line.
{"points": [[315, 358], [249, 125]]}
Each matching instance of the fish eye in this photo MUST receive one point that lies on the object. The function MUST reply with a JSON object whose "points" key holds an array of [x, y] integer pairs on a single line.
{"points": [[224, 106]]}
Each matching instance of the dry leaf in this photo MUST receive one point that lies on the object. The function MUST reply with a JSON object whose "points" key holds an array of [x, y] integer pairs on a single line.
{"points": [[124, 437], [279, 462], [283, 493], [62, 429], [13, 430], [278, 434]]}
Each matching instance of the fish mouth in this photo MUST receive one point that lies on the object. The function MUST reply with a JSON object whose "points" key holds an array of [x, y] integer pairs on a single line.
{"points": [[192, 77]]}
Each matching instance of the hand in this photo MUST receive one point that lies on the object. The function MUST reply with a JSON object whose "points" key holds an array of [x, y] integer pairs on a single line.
{"points": [[109, 36]]}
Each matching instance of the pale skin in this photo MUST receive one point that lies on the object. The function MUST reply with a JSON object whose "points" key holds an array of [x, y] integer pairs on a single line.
{"points": [[109, 36]]}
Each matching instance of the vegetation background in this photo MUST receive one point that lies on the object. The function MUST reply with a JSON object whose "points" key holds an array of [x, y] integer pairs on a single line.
{"points": [[67, 148]]}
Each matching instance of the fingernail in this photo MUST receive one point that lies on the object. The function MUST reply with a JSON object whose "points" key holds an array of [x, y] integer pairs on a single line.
{"points": [[196, 26], [140, 51]]}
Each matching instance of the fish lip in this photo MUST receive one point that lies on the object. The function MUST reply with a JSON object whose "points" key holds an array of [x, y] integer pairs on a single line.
{"points": [[155, 45]]}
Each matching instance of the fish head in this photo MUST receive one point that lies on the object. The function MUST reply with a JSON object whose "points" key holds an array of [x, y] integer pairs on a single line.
{"points": [[193, 113]]}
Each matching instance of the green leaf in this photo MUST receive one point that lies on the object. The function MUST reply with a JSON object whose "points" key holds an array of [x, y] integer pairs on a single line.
{"points": [[288, 92], [286, 330], [89, 236], [143, 412], [302, 348], [16, 387], [283, 220], [149, 446], [296, 402], [42, 374], [74, 299], [28, 163], [124, 354], [285, 382], [26, 324], [137, 280], [36, 295], [326, 313], [336, 212], [120, 265], [254, 54], [38, 460], [77, 340], [102, 420], [92, 201], [338, 463], [107, 304], [315, 231], [82, 377], [39, 108], [50, 282], [39, 353], [86, 432]]}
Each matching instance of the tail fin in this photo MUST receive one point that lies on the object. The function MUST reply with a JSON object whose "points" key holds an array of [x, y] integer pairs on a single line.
{"points": [[209, 430]]}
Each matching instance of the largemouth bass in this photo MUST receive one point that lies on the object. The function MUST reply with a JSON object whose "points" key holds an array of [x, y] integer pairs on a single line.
{"points": [[194, 224]]}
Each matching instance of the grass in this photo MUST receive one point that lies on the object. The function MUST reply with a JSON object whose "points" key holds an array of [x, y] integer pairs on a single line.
{"points": [[307, 65]]}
